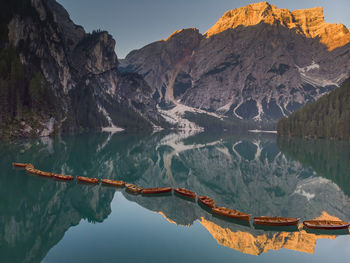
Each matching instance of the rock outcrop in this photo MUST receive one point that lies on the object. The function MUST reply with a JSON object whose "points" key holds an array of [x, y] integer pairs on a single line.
{"points": [[257, 62], [162, 62]]}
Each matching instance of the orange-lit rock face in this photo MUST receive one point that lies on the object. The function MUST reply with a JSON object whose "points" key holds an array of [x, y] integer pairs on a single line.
{"points": [[256, 244], [309, 22], [249, 243], [325, 216]]}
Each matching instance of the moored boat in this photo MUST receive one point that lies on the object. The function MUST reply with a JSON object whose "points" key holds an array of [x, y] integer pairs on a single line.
{"points": [[42, 173], [185, 192], [87, 180], [157, 190], [276, 221], [223, 211], [133, 188], [326, 224], [36, 171], [63, 177], [207, 201], [32, 170], [22, 165], [113, 182]]}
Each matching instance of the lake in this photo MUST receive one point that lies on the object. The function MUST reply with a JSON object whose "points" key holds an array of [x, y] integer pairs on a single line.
{"points": [[45, 220]]}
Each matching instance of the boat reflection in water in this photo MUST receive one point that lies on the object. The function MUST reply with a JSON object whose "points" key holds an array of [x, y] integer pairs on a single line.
{"points": [[246, 173], [236, 234]]}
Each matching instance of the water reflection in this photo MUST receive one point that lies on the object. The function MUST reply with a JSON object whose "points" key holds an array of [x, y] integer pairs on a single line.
{"points": [[329, 159], [248, 173]]}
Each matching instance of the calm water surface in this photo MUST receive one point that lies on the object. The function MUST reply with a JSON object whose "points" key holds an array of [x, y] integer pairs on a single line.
{"points": [[43, 220]]}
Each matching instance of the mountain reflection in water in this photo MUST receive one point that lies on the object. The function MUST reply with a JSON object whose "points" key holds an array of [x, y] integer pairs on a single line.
{"points": [[245, 172]]}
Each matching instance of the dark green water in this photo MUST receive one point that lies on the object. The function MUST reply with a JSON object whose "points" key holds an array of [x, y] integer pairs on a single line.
{"points": [[43, 220]]}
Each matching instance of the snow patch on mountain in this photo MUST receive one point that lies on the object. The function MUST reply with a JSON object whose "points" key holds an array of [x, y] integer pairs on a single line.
{"points": [[317, 81], [260, 111], [308, 195], [226, 107], [111, 128], [234, 110], [307, 76], [175, 116], [313, 65], [281, 109], [310, 186]]}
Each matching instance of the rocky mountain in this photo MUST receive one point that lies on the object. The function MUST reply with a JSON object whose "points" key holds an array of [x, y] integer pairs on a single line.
{"points": [[257, 62], [309, 22], [79, 68]]}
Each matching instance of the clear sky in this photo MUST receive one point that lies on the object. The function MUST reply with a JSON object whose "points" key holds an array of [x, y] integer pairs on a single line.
{"points": [[136, 23]]}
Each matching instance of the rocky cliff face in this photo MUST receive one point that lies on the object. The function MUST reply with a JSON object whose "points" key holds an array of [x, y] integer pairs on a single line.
{"points": [[162, 62], [257, 62], [82, 69]]}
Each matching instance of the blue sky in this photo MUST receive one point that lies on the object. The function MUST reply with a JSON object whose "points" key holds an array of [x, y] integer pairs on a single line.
{"points": [[136, 23]]}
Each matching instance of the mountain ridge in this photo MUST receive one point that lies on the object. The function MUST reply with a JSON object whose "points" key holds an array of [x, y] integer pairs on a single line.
{"points": [[309, 22], [260, 72], [256, 73]]}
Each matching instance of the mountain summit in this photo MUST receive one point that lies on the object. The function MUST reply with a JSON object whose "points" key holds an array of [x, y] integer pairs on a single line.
{"points": [[309, 22]]}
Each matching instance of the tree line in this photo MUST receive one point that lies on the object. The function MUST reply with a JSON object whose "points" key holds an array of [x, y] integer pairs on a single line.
{"points": [[328, 117]]}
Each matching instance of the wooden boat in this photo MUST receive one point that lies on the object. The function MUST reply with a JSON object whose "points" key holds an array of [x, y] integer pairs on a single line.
{"points": [[113, 182], [326, 224], [207, 201], [87, 180], [231, 213], [42, 173], [39, 172], [133, 188], [185, 192], [31, 170], [36, 171], [22, 165], [276, 221], [63, 177], [158, 190], [29, 167]]}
